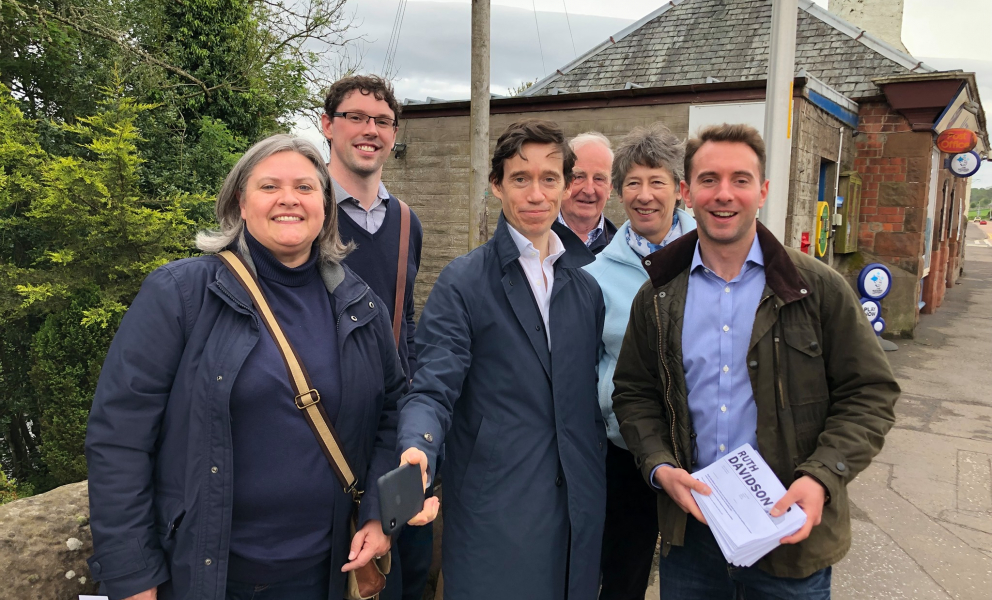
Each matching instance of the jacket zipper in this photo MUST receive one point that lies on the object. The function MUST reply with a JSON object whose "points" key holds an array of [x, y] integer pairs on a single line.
{"points": [[776, 353], [227, 293], [668, 383]]}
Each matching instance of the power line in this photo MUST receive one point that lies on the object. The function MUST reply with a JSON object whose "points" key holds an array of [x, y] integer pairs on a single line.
{"points": [[539, 45], [394, 38], [567, 20]]}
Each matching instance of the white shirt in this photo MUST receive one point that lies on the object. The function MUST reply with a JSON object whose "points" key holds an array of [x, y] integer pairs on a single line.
{"points": [[538, 273]]}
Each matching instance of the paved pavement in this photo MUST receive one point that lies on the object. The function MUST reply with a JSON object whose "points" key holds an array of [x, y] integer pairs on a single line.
{"points": [[922, 512], [923, 509]]}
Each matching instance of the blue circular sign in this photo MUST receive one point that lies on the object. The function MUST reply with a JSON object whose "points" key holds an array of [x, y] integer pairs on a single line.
{"points": [[873, 310], [875, 281], [878, 326], [965, 164]]}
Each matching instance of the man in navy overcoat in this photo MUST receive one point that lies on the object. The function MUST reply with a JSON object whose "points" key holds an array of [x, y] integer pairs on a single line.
{"points": [[507, 344]]}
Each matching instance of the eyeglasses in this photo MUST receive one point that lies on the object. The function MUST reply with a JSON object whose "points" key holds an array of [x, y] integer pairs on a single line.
{"points": [[358, 118]]}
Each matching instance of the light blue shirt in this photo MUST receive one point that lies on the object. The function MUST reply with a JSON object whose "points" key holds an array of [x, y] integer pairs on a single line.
{"points": [[716, 333], [370, 220]]}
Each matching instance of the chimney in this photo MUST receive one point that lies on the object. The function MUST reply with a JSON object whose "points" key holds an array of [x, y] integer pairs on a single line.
{"points": [[881, 18]]}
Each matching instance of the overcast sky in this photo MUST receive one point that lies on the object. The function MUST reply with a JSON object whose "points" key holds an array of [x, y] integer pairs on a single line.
{"points": [[432, 56]]}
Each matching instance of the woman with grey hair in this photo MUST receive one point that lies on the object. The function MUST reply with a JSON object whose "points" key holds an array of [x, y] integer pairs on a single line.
{"points": [[647, 170], [206, 480]]}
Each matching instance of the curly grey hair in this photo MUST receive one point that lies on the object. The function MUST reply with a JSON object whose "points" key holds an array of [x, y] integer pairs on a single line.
{"points": [[654, 146], [228, 206]]}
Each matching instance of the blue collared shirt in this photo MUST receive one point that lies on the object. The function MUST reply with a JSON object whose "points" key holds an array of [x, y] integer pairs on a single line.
{"points": [[716, 333], [370, 220], [594, 234]]}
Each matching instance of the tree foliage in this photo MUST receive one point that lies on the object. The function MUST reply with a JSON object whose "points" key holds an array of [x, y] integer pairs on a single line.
{"points": [[250, 66], [77, 237], [981, 197], [118, 122]]}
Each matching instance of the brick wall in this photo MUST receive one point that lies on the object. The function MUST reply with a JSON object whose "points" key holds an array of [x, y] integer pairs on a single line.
{"points": [[894, 164]]}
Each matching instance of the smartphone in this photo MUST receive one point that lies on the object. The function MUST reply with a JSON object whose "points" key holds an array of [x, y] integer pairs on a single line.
{"points": [[401, 496]]}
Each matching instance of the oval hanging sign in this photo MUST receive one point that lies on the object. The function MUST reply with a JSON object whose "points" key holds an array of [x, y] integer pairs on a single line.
{"points": [[956, 141], [965, 164]]}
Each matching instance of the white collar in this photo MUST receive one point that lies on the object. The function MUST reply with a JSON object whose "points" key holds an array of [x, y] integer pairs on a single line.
{"points": [[527, 249]]}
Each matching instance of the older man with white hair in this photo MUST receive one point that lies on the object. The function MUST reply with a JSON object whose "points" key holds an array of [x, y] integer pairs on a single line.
{"points": [[582, 209]]}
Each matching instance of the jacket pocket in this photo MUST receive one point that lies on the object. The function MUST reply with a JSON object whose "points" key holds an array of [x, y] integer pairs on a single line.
{"points": [[169, 514], [480, 464], [809, 397]]}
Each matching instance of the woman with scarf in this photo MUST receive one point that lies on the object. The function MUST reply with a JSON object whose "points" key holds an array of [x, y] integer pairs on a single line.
{"points": [[647, 170]]}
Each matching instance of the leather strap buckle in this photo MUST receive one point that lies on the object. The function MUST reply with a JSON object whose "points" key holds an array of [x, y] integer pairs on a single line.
{"points": [[304, 404]]}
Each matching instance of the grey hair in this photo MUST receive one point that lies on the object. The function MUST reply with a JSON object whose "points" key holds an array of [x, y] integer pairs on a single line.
{"points": [[591, 137], [228, 205], [654, 146]]}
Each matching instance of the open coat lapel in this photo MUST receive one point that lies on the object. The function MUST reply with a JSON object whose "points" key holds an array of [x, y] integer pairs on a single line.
{"points": [[525, 308], [518, 293]]}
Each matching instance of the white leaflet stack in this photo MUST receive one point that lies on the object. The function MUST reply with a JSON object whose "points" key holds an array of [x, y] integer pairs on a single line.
{"points": [[744, 490]]}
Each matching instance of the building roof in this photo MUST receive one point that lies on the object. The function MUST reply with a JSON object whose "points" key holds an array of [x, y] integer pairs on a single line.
{"points": [[695, 41]]}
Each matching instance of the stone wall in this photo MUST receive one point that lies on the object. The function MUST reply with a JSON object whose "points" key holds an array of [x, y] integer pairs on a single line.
{"points": [[433, 175], [817, 136]]}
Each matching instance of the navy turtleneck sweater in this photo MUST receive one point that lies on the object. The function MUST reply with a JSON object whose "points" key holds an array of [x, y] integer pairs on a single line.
{"points": [[284, 489]]}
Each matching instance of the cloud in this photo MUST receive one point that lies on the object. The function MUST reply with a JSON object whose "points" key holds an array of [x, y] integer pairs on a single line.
{"points": [[433, 55]]}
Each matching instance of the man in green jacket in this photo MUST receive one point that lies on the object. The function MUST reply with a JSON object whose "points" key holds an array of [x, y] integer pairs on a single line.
{"points": [[737, 339]]}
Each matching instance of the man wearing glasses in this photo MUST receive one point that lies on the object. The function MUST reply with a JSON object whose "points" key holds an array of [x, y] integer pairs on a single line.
{"points": [[360, 124]]}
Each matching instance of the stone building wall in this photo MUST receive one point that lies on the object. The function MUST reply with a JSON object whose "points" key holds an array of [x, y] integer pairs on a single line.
{"points": [[433, 176], [817, 136]]}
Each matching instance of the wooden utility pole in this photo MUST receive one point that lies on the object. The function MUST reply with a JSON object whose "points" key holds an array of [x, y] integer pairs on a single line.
{"points": [[478, 227]]}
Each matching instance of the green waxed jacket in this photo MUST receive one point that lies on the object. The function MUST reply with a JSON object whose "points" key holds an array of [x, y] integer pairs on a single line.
{"points": [[823, 388]]}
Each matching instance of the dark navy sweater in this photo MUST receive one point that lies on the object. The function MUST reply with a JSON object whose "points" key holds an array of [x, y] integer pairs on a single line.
{"points": [[284, 488], [375, 261]]}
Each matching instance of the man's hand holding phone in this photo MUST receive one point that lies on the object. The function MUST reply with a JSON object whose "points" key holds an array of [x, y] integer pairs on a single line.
{"points": [[415, 456]]}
